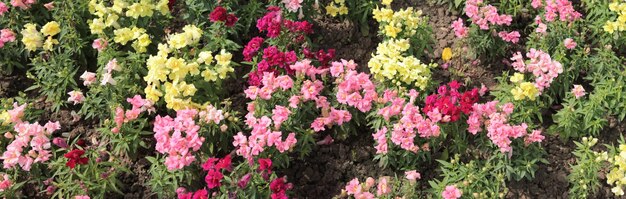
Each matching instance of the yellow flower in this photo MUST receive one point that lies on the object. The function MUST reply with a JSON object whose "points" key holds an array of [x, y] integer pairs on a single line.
{"points": [[156, 69], [111, 20], [5, 118], [51, 28], [193, 34], [608, 27], [152, 93], [446, 54], [118, 6], [177, 68], [31, 38], [209, 75], [222, 71], [123, 35], [163, 7], [332, 10], [383, 14], [97, 26], [223, 59], [517, 77], [164, 50], [529, 90], [343, 10], [518, 93], [205, 57], [387, 2], [178, 41], [392, 31], [49, 43]]}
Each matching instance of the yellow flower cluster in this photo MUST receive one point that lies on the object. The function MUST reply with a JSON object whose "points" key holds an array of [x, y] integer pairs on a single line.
{"points": [[617, 176], [33, 39], [167, 75], [619, 24], [109, 16], [390, 64], [404, 21], [523, 89], [337, 7]]}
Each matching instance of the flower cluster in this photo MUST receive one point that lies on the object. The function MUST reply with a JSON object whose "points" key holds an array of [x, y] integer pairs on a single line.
{"points": [[390, 64], [495, 119], [384, 187], [30, 138], [543, 68], [460, 30], [107, 75], [273, 23], [6, 35], [619, 24], [355, 89], [33, 39], [484, 16], [262, 135], [563, 9], [448, 103], [293, 5], [107, 17], [199, 194], [178, 138], [337, 7], [617, 175], [139, 105], [75, 157], [273, 59], [168, 74], [213, 167], [219, 14], [279, 188], [403, 23], [408, 124], [22, 4]]}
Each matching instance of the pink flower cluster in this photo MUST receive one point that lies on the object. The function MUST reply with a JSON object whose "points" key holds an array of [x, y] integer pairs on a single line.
{"points": [[557, 8], [498, 129], [362, 190], [261, 136], [34, 135], [178, 138], [139, 106], [355, 89], [273, 23], [270, 84], [482, 15], [251, 49], [512, 36], [448, 103], [23, 4], [292, 5], [273, 59], [540, 64], [6, 35], [460, 30], [408, 126], [182, 193]]}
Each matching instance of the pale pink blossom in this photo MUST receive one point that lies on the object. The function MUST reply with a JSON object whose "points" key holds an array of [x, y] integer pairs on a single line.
{"points": [[569, 43], [383, 187], [353, 187], [412, 175], [49, 6], [292, 5], [112, 65], [578, 91], [107, 79], [16, 114], [451, 192], [76, 97], [88, 78], [99, 44]]}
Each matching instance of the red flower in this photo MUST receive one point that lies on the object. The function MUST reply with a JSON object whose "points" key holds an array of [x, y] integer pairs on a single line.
{"points": [[209, 164], [231, 19], [265, 164], [279, 188], [213, 179], [218, 14], [201, 194], [74, 157], [224, 163]]}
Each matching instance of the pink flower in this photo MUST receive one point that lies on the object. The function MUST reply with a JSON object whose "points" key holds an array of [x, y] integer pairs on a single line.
{"points": [[6, 35], [99, 44], [535, 136], [60, 142], [569, 43], [459, 28], [336, 69], [5, 183], [24, 5], [3, 8], [512, 37], [412, 175], [88, 78], [82, 197], [49, 6], [280, 114], [541, 28], [578, 91], [16, 114], [107, 79], [76, 97], [353, 187], [451, 192], [111, 66], [294, 101], [310, 90], [292, 5], [383, 187]]}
